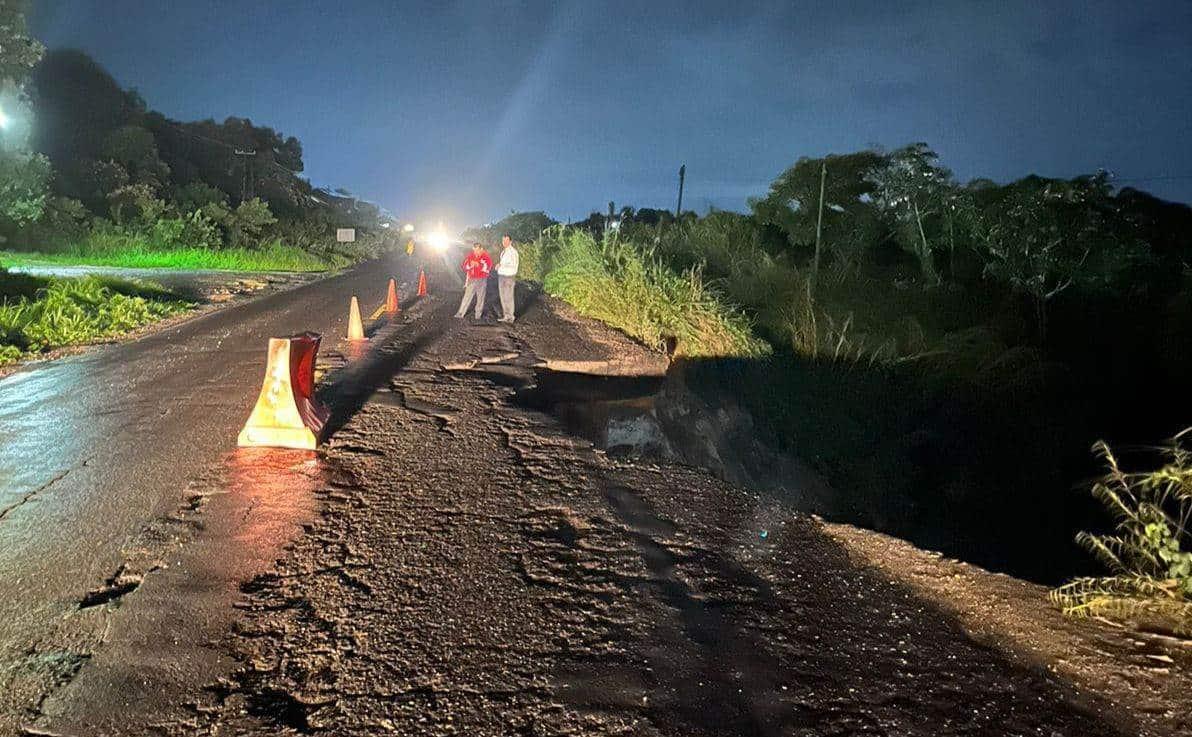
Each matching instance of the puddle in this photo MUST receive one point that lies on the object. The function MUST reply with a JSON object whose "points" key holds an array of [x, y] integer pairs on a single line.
{"points": [[616, 413]]}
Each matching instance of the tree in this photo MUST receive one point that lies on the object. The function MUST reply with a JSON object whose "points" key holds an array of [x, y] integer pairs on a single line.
{"points": [[651, 216], [848, 224], [78, 105], [914, 190], [18, 51], [1043, 237], [24, 175], [95, 180], [134, 148], [522, 227], [24, 186], [197, 195]]}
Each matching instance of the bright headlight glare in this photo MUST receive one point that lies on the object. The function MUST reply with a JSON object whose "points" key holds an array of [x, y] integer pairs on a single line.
{"points": [[439, 240]]}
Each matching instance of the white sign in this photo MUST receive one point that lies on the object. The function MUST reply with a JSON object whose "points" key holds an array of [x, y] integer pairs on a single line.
{"points": [[345, 235]]}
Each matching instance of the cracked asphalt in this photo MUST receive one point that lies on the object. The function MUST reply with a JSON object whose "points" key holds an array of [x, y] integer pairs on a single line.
{"points": [[456, 562], [476, 570], [100, 452]]}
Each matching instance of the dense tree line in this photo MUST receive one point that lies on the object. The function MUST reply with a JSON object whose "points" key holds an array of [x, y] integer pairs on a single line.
{"points": [[81, 155]]}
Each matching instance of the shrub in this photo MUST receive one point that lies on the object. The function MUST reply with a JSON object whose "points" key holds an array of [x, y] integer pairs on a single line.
{"points": [[626, 286], [135, 203], [249, 221], [200, 231], [72, 311], [1150, 553], [167, 233]]}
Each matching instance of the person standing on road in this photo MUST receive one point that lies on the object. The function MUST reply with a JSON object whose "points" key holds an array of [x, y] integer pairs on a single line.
{"points": [[507, 277], [477, 266]]}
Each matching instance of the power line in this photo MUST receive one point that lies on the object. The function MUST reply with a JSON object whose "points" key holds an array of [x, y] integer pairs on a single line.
{"points": [[1159, 178]]}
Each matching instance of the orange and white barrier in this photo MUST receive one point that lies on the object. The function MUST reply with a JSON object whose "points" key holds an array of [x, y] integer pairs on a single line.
{"points": [[287, 415]]}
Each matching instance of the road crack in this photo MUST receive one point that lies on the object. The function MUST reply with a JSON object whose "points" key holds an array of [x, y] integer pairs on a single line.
{"points": [[28, 497]]}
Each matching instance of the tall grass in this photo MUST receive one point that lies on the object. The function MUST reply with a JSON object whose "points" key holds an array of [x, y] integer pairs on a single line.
{"points": [[1149, 556], [142, 255], [625, 285], [73, 311]]}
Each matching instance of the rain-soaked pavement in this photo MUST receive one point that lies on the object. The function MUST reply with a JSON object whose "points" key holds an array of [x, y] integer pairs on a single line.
{"points": [[454, 562], [99, 448], [187, 283]]}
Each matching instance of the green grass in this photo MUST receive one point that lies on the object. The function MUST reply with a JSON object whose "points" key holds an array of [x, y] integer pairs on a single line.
{"points": [[624, 285], [275, 257], [37, 315]]}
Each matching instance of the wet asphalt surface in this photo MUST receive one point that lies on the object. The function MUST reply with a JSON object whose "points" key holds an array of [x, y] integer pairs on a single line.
{"points": [[451, 563], [185, 282], [100, 447]]}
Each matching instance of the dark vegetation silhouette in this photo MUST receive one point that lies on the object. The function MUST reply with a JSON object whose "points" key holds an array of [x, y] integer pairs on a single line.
{"points": [[950, 356], [90, 174], [125, 177]]}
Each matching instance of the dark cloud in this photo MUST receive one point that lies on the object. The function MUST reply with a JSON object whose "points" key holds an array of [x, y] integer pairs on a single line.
{"points": [[468, 109]]}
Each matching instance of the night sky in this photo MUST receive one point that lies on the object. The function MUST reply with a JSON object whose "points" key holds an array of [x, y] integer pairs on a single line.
{"points": [[467, 110]]}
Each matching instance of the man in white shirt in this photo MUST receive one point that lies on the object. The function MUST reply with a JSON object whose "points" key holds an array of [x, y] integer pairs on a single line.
{"points": [[507, 277]]}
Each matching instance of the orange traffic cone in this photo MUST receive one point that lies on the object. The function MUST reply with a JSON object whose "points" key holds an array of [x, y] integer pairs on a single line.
{"points": [[391, 305], [355, 325], [422, 282]]}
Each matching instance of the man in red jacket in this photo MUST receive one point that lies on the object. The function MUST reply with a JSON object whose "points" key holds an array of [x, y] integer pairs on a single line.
{"points": [[477, 266]]}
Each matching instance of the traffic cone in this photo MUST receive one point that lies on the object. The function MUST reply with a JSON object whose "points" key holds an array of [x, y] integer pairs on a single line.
{"points": [[422, 282], [391, 305], [355, 325]]}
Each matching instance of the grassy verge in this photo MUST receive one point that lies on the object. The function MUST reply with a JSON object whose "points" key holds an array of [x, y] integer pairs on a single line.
{"points": [[275, 257], [37, 315], [624, 285]]}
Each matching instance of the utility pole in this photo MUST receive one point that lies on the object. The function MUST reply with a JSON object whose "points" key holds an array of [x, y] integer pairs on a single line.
{"points": [[679, 207], [246, 185], [819, 222]]}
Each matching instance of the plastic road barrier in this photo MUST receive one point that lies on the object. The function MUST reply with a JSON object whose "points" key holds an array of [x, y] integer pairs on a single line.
{"points": [[287, 415]]}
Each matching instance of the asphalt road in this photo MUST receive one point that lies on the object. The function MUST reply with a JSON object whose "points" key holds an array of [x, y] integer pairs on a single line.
{"points": [[184, 281], [453, 561], [98, 446]]}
